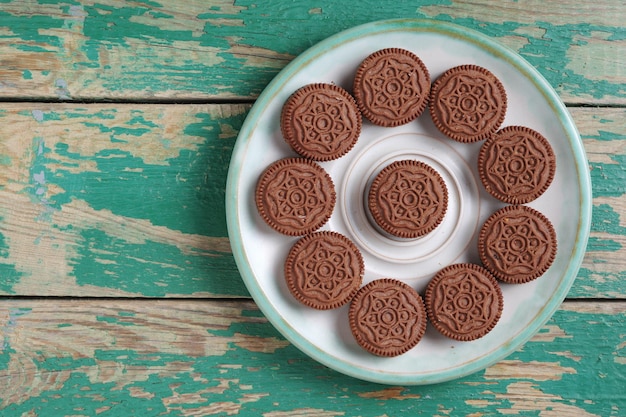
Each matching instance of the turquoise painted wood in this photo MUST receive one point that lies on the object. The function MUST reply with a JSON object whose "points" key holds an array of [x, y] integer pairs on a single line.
{"points": [[118, 200], [118, 291], [222, 358], [167, 50]]}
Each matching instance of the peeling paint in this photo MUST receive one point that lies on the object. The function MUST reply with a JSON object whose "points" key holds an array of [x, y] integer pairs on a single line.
{"points": [[38, 115], [62, 90], [109, 50], [116, 198], [526, 397], [77, 228], [393, 393], [534, 370], [7, 329]]}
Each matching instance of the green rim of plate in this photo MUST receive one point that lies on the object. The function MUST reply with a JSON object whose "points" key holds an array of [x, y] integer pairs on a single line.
{"points": [[499, 51]]}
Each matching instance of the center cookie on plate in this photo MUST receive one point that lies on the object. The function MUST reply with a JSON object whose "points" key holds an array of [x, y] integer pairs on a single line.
{"points": [[408, 199]]}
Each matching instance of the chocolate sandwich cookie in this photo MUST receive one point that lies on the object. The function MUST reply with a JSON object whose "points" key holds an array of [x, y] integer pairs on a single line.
{"points": [[463, 301], [468, 103], [391, 87], [324, 270], [517, 244], [408, 199], [516, 165], [387, 317], [321, 121], [295, 196]]}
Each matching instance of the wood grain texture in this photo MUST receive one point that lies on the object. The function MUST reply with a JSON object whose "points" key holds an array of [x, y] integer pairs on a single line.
{"points": [[171, 50], [127, 200], [116, 200], [117, 207], [223, 358], [604, 137]]}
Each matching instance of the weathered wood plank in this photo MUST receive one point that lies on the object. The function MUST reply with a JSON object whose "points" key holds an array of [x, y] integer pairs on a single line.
{"points": [[193, 50], [154, 357], [116, 200], [127, 200], [603, 272]]}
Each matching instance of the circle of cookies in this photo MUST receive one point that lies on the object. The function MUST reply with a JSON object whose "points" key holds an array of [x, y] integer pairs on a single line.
{"points": [[408, 199]]}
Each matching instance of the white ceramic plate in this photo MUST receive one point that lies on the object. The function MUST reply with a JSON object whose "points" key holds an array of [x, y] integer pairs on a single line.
{"points": [[260, 252]]}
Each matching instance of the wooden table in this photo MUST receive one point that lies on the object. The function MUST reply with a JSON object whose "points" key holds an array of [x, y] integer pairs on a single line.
{"points": [[119, 293]]}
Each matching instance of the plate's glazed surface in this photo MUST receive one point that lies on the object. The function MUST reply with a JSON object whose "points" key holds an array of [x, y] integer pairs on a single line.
{"points": [[260, 252]]}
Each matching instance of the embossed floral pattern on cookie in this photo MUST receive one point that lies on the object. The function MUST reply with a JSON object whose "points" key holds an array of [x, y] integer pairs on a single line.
{"points": [[387, 317], [391, 87], [468, 103], [408, 199], [516, 165], [295, 196], [321, 121], [324, 270], [517, 244], [463, 301]]}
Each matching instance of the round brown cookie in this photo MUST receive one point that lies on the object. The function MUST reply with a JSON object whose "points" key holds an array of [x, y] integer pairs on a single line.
{"points": [[468, 103], [391, 87], [324, 270], [387, 317], [321, 121], [295, 196], [408, 199], [516, 165], [463, 301], [517, 244]]}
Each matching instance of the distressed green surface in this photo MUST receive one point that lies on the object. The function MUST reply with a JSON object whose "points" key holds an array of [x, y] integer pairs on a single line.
{"points": [[231, 49], [146, 187], [126, 200], [603, 272], [133, 186], [257, 372], [7, 271]]}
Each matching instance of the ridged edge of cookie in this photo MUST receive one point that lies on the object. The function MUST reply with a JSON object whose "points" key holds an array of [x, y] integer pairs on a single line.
{"points": [[428, 300], [482, 249], [373, 349], [286, 126], [482, 160], [434, 90], [288, 268], [358, 78], [260, 191]]}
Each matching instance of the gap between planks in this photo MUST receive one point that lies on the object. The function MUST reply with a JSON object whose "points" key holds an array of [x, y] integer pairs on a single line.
{"points": [[586, 305], [206, 101]]}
